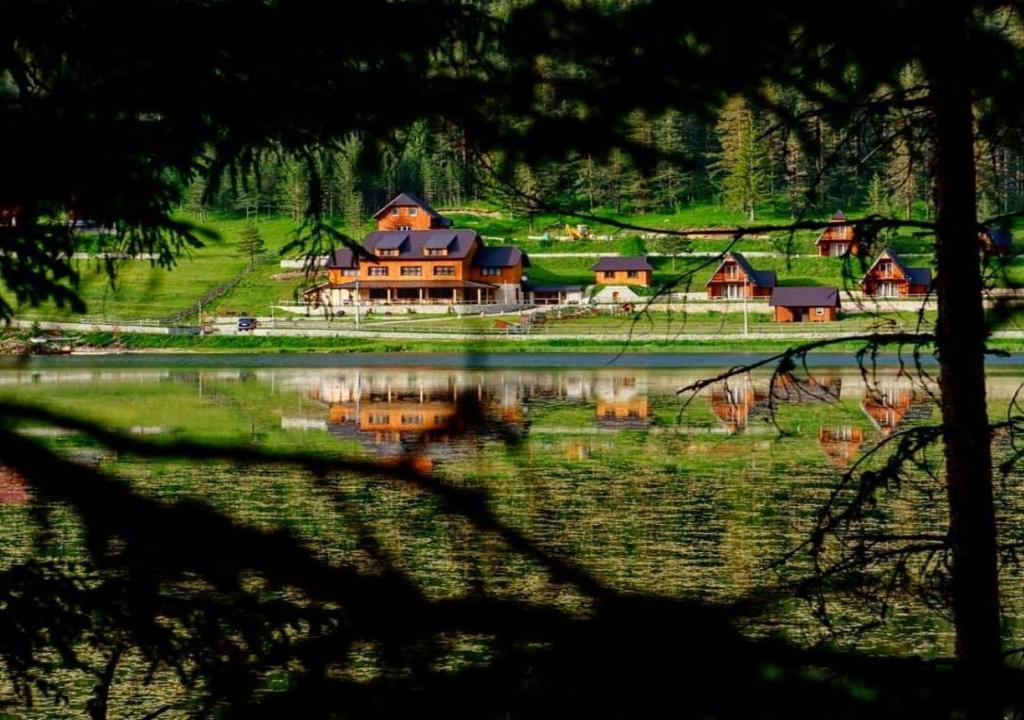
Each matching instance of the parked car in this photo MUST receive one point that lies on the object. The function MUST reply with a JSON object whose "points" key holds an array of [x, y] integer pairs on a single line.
{"points": [[247, 324]]}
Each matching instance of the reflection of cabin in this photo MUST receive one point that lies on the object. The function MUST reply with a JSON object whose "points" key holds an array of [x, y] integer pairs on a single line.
{"points": [[889, 276], [733, 404], [13, 490], [734, 277], [892, 404], [838, 238], [841, 444], [805, 304], [623, 271], [995, 241], [630, 412], [8, 216]]}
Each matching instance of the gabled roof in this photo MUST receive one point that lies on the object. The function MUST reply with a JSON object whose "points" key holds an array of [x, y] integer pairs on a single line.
{"points": [[914, 275], [612, 264], [415, 240], [838, 217], [998, 236], [342, 258], [439, 241], [804, 297], [760, 278], [502, 256], [408, 199]]}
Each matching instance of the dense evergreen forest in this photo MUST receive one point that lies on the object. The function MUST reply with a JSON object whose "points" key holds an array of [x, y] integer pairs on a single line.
{"points": [[747, 159]]}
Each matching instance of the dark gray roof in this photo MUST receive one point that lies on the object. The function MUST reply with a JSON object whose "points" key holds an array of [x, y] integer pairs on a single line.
{"points": [[502, 256], [342, 258], [999, 237], [760, 278], [805, 297], [553, 288], [839, 217], [439, 241], [611, 264], [408, 199], [394, 241], [417, 239]]}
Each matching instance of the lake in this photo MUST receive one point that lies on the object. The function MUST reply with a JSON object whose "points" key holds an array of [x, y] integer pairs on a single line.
{"points": [[603, 466]]}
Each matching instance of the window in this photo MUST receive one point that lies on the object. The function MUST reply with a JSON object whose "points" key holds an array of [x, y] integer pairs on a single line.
{"points": [[609, 273], [733, 291], [394, 212], [631, 273], [388, 252], [378, 271], [350, 272], [885, 269], [403, 227], [436, 251], [819, 311], [445, 270], [412, 419], [490, 271], [411, 271], [378, 418], [412, 212], [731, 271]]}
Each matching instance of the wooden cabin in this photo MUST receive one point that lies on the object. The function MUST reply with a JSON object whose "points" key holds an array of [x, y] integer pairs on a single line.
{"points": [[889, 276], [623, 271], [839, 238], [428, 264], [734, 278], [995, 241], [841, 444], [805, 304], [8, 216]]}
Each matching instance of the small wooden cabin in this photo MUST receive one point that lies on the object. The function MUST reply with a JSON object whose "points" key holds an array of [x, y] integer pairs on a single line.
{"points": [[839, 238], [805, 304], [889, 276], [623, 271], [735, 278]]}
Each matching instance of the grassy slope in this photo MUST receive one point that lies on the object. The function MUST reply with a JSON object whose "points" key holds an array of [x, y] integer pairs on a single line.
{"points": [[146, 292]]}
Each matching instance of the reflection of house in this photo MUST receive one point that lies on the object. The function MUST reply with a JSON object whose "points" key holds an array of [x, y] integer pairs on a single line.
{"points": [[12, 488], [622, 403], [735, 278], [893, 403], [414, 257], [889, 276], [995, 241], [623, 271], [733, 403], [838, 238], [8, 216], [841, 444], [805, 304]]}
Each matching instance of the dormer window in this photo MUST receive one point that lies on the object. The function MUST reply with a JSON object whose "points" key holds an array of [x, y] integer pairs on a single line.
{"points": [[387, 252], [435, 252]]}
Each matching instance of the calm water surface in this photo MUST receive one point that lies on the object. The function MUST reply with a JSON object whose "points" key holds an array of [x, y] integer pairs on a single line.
{"points": [[605, 466]]}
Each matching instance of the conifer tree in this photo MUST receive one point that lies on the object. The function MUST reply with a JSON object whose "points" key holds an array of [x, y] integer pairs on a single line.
{"points": [[251, 243], [742, 167]]}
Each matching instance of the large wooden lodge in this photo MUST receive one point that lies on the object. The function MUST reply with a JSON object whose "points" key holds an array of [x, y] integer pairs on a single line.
{"points": [[416, 257]]}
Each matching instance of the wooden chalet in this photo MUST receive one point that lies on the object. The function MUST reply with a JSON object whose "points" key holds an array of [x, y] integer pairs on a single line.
{"points": [[415, 257], [995, 241], [623, 271], [805, 304], [889, 276], [735, 278], [839, 238]]}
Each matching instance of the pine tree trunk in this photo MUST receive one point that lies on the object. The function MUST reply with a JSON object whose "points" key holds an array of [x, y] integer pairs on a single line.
{"points": [[960, 341]]}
